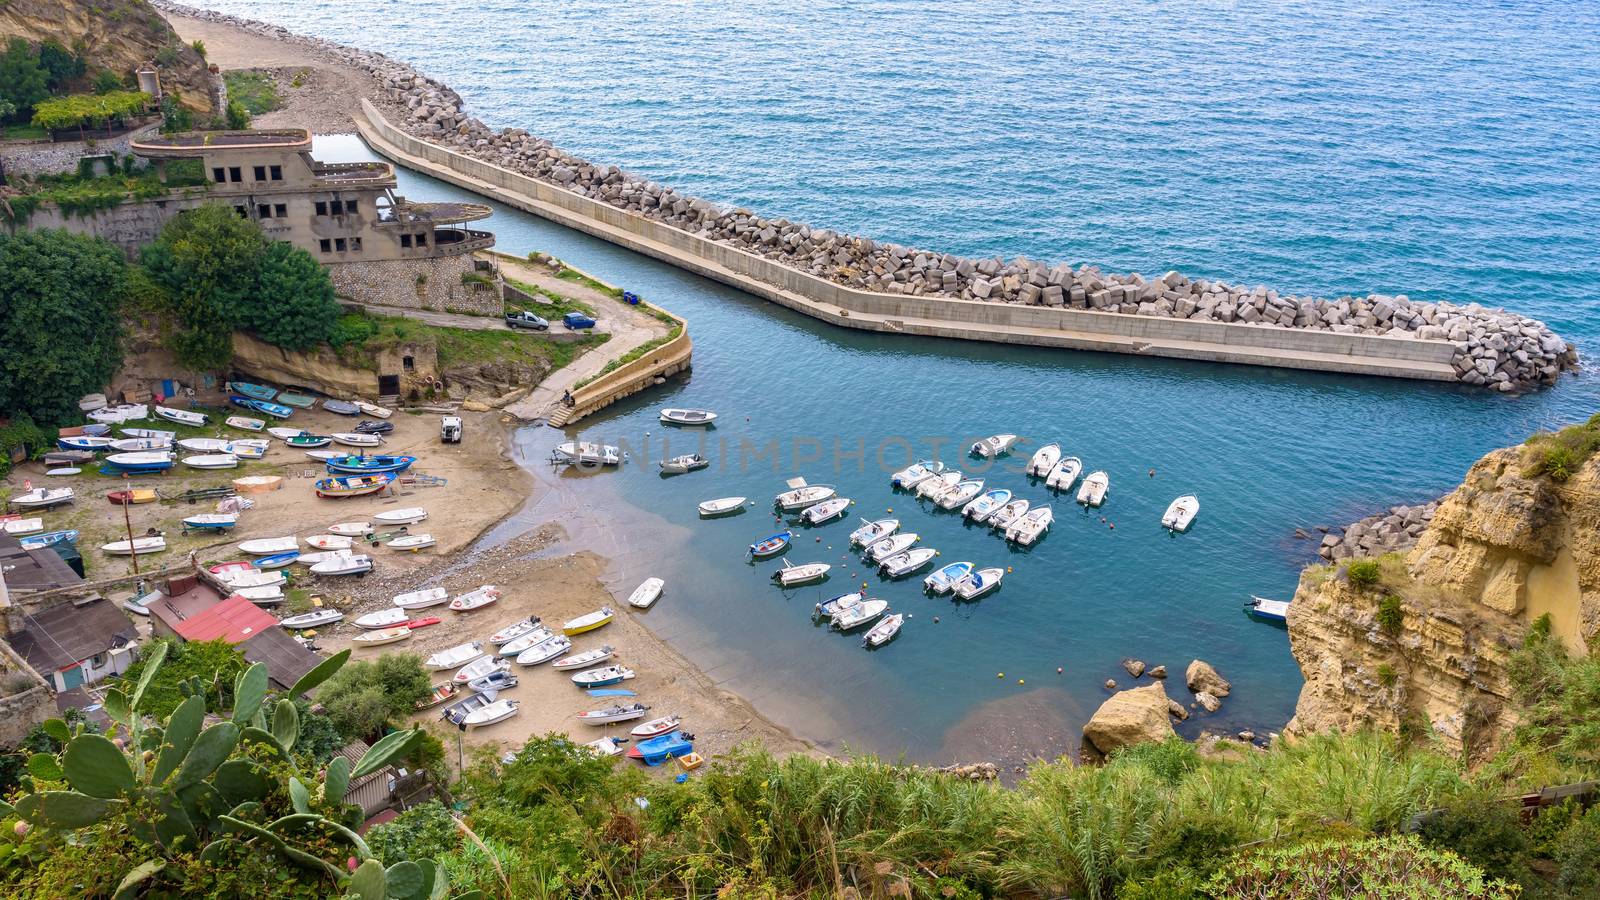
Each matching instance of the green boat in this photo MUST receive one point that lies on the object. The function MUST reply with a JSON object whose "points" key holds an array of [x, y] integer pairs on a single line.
{"points": [[300, 401], [308, 440]]}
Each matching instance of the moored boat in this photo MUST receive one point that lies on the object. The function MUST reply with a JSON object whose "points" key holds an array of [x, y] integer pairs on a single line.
{"points": [[646, 594], [802, 497], [275, 410], [1268, 610], [250, 577], [721, 506], [283, 434], [687, 417], [373, 409], [1007, 515], [20, 527], [960, 494], [903, 564], [994, 445], [248, 448], [790, 575], [1044, 460], [833, 605], [1094, 489], [443, 692], [916, 473], [277, 560], [771, 545], [586, 453], [458, 711], [494, 682], [152, 434], [932, 488], [524, 642], [859, 615], [656, 751], [871, 532], [878, 551], [883, 632], [946, 577], [604, 747], [824, 511], [1064, 474], [1180, 513], [978, 583], [981, 507], [1028, 529], [678, 465]]}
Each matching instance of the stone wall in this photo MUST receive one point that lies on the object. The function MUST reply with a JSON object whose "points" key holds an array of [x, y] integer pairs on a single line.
{"points": [[432, 284], [47, 158], [20, 711], [128, 225]]}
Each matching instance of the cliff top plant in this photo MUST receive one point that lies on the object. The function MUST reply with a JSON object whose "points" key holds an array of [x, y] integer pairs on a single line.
{"points": [[81, 110], [1363, 572], [1391, 613], [1559, 454], [1380, 867]]}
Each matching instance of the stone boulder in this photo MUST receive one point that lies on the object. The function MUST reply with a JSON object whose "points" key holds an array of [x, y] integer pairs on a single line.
{"points": [[1135, 667], [1137, 716], [1202, 677]]}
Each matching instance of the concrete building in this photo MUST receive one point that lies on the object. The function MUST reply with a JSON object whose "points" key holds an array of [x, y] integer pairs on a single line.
{"points": [[66, 631]]}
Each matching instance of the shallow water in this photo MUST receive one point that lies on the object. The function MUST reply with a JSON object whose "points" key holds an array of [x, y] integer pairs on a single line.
{"points": [[1426, 148]]}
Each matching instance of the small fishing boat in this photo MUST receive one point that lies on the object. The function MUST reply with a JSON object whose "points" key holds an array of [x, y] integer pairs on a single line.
{"points": [[790, 576], [264, 595], [589, 621], [140, 462], [678, 465], [252, 391], [721, 506], [269, 546], [1180, 513], [497, 711], [182, 416], [477, 598], [443, 692], [69, 457], [1064, 474], [545, 650], [481, 667], [310, 559], [687, 417], [340, 486], [771, 545], [585, 453], [495, 682], [524, 642], [135, 445], [514, 630], [211, 521], [132, 497], [83, 442], [149, 434], [298, 401], [932, 488], [611, 692], [406, 516], [355, 439], [329, 542], [1268, 610], [49, 539], [1044, 460], [978, 583], [903, 564], [656, 751], [244, 422], [1007, 515], [64, 471], [602, 676], [127, 412], [231, 569], [323, 455], [249, 576], [883, 632], [655, 727], [946, 577], [1094, 489], [384, 618], [614, 713], [359, 465], [833, 605], [371, 426], [980, 508], [411, 542], [212, 461], [802, 497], [457, 712], [994, 445], [1028, 529], [278, 560], [870, 532], [351, 529], [586, 658], [275, 410], [247, 449], [42, 498], [915, 474], [422, 599], [283, 434], [960, 494], [381, 636], [604, 747], [341, 407], [646, 594], [343, 564], [373, 409], [20, 527], [856, 616], [827, 509], [314, 619], [454, 657], [879, 551], [204, 445], [308, 441], [137, 546], [91, 402]]}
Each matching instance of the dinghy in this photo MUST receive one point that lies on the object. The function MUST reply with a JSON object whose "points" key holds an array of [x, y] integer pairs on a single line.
{"points": [[883, 632], [1028, 529], [871, 532], [310, 559], [263, 595], [329, 542], [443, 692], [1180, 513], [834, 605], [140, 462], [859, 615], [341, 486], [454, 657], [494, 682], [249, 577], [383, 618], [351, 529], [136, 445], [49, 539], [354, 439], [586, 658], [655, 727], [269, 546], [132, 497], [64, 471], [137, 546], [498, 711], [482, 667], [687, 417], [69, 458], [1064, 474], [945, 578], [616, 713], [341, 407], [275, 410], [932, 488], [283, 434], [315, 619], [902, 564], [277, 560], [360, 465], [478, 598], [247, 449], [1268, 610], [656, 751], [204, 445], [514, 630], [182, 416], [524, 642], [308, 441], [771, 545], [589, 621], [252, 391], [960, 494], [790, 576], [994, 445], [149, 434], [915, 474], [1007, 515], [20, 527], [115, 415], [1044, 460], [406, 516], [602, 676], [91, 402], [323, 456], [245, 422], [545, 650], [604, 747], [1093, 491], [678, 465], [381, 636], [211, 521], [824, 511], [422, 599], [298, 401], [721, 506], [889, 546], [980, 508], [411, 542], [802, 497], [83, 442], [42, 498], [342, 563], [585, 453], [373, 409], [457, 712], [646, 594], [978, 583]]}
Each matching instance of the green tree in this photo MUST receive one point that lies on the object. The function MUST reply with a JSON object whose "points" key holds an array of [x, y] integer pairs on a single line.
{"points": [[7, 110], [1379, 867], [208, 260], [366, 696], [23, 81], [422, 832], [214, 663], [59, 328], [106, 81], [294, 304], [59, 64], [238, 117]]}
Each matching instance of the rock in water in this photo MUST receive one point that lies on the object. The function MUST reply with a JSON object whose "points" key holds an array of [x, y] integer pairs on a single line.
{"points": [[1137, 716], [1202, 677], [1177, 710], [1208, 701], [1135, 667], [1158, 671]]}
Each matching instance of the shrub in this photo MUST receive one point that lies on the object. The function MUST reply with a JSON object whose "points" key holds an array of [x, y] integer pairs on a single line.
{"points": [[106, 81], [353, 328], [1483, 831], [236, 117], [1363, 573], [1386, 675], [199, 47], [256, 90], [365, 696], [422, 832], [1391, 613], [1559, 454], [1577, 856], [1559, 696], [213, 663], [1379, 867]]}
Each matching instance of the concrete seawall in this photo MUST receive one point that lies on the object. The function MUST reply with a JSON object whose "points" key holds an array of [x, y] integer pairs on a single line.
{"points": [[1367, 354]]}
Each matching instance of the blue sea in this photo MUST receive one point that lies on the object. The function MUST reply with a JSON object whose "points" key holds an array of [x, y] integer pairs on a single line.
{"points": [[1442, 150]]}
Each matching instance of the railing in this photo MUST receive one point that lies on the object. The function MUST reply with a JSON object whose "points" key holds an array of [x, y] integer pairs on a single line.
{"points": [[465, 240], [628, 378]]}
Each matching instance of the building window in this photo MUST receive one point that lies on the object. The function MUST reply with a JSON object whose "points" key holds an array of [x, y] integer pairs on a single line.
{"points": [[405, 240], [325, 245], [322, 207], [235, 174], [350, 207], [339, 245], [422, 240], [243, 211], [336, 207], [261, 173], [219, 175], [279, 210], [277, 172], [355, 244], [409, 363], [263, 210]]}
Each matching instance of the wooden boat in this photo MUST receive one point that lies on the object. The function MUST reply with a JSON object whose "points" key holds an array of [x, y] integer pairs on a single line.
{"points": [[1268, 610], [771, 545], [878, 551], [257, 484], [687, 417], [211, 521], [525, 641], [603, 747], [182, 416], [422, 599], [480, 668], [90, 402], [277, 560], [602, 676], [373, 409], [20, 527], [802, 497], [514, 630], [83, 442], [646, 594], [615, 713], [252, 391], [903, 564], [656, 751], [138, 445], [442, 692], [140, 462], [275, 410], [247, 449], [994, 445], [404, 516], [790, 576], [585, 453], [1044, 460], [42, 498], [980, 508], [945, 578], [454, 657], [131, 497], [343, 564], [1180, 513], [458, 711], [340, 486], [383, 618], [721, 506], [915, 474], [932, 488], [49, 539], [883, 632], [678, 465], [827, 509], [245, 422], [497, 711], [655, 727], [411, 542], [477, 598], [1095, 487], [589, 621], [586, 658], [872, 532], [354, 439], [494, 682], [544, 651], [827, 608], [204, 445], [137, 546], [269, 546], [64, 471], [308, 441], [856, 616], [351, 529], [960, 494], [361, 465], [329, 542], [298, 401], [1028, 529], [314, 619], [1007, 515], [341, 407], [381, 636]]}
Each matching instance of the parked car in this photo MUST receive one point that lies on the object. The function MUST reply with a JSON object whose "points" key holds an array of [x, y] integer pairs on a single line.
{"points": [[577, 320], [450, 429], [525, 319], [373, 426]]}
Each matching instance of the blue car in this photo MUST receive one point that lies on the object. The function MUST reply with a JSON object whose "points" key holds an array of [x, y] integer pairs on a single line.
{"points": [[577, 320]]}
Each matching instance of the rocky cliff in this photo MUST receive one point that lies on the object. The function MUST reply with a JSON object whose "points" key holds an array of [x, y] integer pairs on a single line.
{"points": [[119, 35], [1426, 647]]}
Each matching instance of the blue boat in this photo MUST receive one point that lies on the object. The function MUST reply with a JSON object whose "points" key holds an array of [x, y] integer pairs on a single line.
{"points": [[277, 560], [275, 410], [771, 545], [252, 391], [658, 750], [91, 443], [49, 538], [358, 465], [613, 692]]}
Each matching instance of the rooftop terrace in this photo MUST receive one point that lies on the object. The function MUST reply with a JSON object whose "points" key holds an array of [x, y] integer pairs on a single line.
{"points": [[194, 143]]}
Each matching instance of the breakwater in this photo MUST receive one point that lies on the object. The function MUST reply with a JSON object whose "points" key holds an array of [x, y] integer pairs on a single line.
{"points": [[1468, 343]]}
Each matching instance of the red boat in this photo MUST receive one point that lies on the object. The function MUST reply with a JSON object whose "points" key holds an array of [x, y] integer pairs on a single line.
{"points": [[423, 623], [235, 566]]}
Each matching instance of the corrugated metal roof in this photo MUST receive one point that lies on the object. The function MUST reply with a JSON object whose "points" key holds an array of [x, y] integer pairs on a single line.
{"points": [[287, 659], [371, 792], [234, 620], [66, 633]]}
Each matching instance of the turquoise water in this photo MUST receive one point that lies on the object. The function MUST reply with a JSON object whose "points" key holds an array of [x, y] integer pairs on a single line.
{"points": [[1427, 148]]}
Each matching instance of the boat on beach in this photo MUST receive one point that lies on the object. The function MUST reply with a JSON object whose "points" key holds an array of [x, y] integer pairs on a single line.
{"points": [[250, 577], [1007, 515], [137, 546], [341, 486], [20, 527], [1180, 513], [615, 713], [490, 714], [646, 594], [803, 496], [589, 621], [134, 445], [482, 667], [277, 560], [604, 747], [443, 692], [1064, 474], [275, 410], [116, 415], [960, 494], [154, 434], [791, 575], [269, 546], [978, 583], [602, 676], [421, 599], [329, 542], [477, 598], [586, 658], [524, 642], [1028, 529], [586, 453], [878, 551], [980, 508], [545, 650], [827, 509], [212, 461], [244, 422], [859, 615], [457, 712], [252, 391], [341, 407], [721, 506], [1268, 610], [248, 448], [883, 632], [210, 521], [43, 498], [514, 630], [140, 462], [49, 539], [90, 402], [454, 657], [343, 563], [204, 445], [373, 409], [383, 618], [771, 545], [356, 439], [351, 529], [262, 595], [994, 445], [411, 542], [932, 488], [407, 516], [182, 416], [871, 532], [915, 474], [132, 497], [833, 605], [308, 441], [298, 401], [361, 465], [654, 727], [315, 619], [903, 564], [678, 465], [1044, 460], [1094, 489], [381, 636], [656, 751], [946, 577], [687, 417], [84, 442], [495, 682]]}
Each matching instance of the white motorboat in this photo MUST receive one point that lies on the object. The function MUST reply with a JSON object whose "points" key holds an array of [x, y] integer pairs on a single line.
{"points": [[721, 506], [1180, 513], [789, 575], [655, 727], [381, 636], [602, 676], [994, 445], [315, 619], [883, 632], [248, 449], [454, 657], [329, 542], [243, 578], [406, 516], [204, 445], [422, 599], [1044, 460], [859, 615], [586, 658], [681, 464], [818, 513], [687, 417], [152, 434], [264, 595], [804, 496], [181, 416], [915, 474], [126, 412], [981, 507], [978, 583], [1007, 515], [383, 618], [1269, 610], [902, 564], [356, 439], [412, 542], [1064, 474], [269, 546], [21, 527], [351, 529], [880, 550], [960, 494], [614, 713], [245, 422], [603, 747], [827, 608], [310, 559], [647, 593], [43, 498], [343, 563], [872, 532], [373, 409], [515, 630], [325, 455], [946, 577], [588, 453], [1028, 529], [498, 711], [283, 434], [1094, 489], [137, 546], [212, 461], [477, 598], [544, 651], [142, 460], [482, 667], [141, 445], [932, 488], [524, 642]]}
